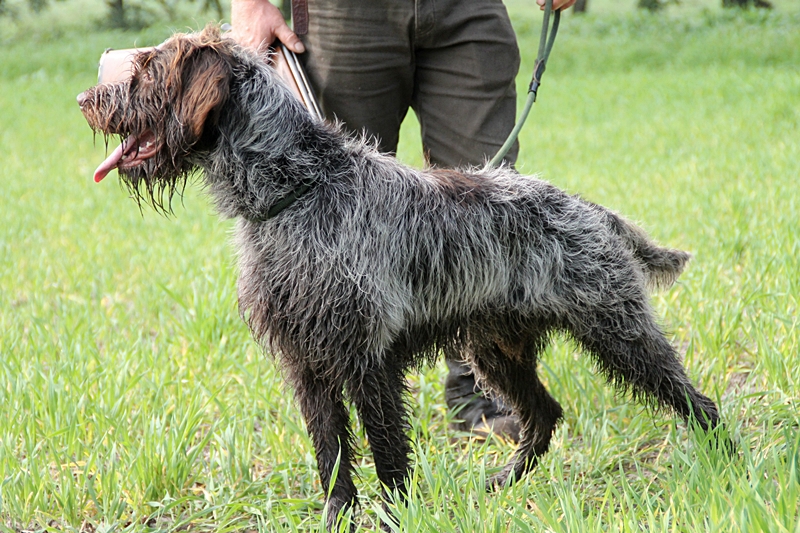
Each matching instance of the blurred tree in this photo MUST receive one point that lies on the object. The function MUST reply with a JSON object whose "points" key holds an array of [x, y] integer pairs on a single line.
{"points": [[580, 6], [11, 10], [117, 17], [746, 3], [655, 5], [652, 5], [126, 13], [215, 6]]}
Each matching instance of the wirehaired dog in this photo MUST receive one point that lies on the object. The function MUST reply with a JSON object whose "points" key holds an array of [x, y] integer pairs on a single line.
{"points": [[355, 268]]}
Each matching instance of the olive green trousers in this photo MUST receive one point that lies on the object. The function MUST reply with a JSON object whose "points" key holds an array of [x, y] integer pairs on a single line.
{"points": [[452, 61]]}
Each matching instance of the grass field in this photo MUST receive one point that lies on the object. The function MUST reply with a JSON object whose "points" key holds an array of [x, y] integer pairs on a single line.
{"points": [[133, 399]]}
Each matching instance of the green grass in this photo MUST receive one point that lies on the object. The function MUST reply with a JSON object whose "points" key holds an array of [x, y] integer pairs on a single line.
{"points": [[132, 397]]}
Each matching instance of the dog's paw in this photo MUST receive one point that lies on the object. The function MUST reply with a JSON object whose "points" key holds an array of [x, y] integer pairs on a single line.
{"points": [[500, 480], [339, 515]]}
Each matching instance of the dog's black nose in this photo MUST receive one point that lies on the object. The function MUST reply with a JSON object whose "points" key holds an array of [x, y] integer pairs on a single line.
{"points": [[82, 98]]}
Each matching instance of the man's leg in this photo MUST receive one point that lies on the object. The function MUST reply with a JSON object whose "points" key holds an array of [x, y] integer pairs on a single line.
{"points": [[360, 65], [464, 95]]}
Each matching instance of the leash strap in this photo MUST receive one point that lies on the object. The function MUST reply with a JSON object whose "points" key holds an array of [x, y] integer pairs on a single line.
{"points": [[299, 16], [546, 41]]}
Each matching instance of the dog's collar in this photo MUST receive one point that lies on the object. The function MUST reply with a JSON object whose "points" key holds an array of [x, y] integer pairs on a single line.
{"points": [[284, 202]]}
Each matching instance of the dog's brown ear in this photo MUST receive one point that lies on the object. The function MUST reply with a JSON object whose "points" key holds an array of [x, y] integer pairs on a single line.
{"points": [[206, 88]]}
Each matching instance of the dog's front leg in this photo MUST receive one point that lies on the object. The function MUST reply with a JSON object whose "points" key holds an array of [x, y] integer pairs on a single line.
{"points": [[328, 422], [377, 393]]}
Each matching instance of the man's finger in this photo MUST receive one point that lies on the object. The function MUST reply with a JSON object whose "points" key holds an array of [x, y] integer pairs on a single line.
{"points": [[290, 39]]}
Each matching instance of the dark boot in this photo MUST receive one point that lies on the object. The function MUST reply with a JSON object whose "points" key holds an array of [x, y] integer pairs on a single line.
{"points": [[475, 412]]}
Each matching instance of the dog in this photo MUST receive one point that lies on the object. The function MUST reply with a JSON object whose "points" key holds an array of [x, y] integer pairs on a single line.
{"points": [[355, 268]]}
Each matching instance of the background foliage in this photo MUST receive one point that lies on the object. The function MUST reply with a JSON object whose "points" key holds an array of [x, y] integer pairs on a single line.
{"points": [[129, 14]]}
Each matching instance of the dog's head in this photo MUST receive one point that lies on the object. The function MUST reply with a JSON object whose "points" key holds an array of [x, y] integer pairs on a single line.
{"points": [[164, 114]]}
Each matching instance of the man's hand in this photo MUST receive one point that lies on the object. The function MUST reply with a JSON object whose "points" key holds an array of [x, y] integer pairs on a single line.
{"points": [[257, 23], [557, 4]]}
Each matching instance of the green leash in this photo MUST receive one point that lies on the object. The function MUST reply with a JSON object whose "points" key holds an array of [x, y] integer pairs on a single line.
{"points": [[546, 41]]}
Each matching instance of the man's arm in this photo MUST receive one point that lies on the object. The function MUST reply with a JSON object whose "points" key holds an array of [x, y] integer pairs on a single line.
{"points": [[257, 23]]}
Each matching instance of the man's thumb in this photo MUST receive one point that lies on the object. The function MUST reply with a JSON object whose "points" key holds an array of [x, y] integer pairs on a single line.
{"points": [[290, 39]]}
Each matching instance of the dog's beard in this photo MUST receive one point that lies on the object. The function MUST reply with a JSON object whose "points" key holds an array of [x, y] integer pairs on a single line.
{"points": [[133, 151], [151, 174]]}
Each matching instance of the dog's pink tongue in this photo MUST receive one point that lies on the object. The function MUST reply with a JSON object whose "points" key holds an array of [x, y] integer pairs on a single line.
{"points": [[110, 163]]}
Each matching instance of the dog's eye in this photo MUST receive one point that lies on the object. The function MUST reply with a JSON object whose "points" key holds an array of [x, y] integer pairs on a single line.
{"points": [[141, 79]]}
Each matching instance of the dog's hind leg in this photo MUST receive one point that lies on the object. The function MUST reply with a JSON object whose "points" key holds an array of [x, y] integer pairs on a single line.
{"points": [[633, 352], [328, 423], [511, 371], [378, 396]]}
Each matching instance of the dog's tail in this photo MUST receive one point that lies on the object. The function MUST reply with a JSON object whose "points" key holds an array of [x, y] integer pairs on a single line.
{"points": [[662, 266]]}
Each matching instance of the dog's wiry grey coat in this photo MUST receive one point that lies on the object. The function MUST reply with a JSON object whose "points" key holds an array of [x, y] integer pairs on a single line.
{"points": [[379, 267]]}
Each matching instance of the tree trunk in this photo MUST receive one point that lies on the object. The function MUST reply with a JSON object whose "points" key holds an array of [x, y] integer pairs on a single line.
{"points": [[116, 14], [652, 5], [745, 3], [580, 6]]}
